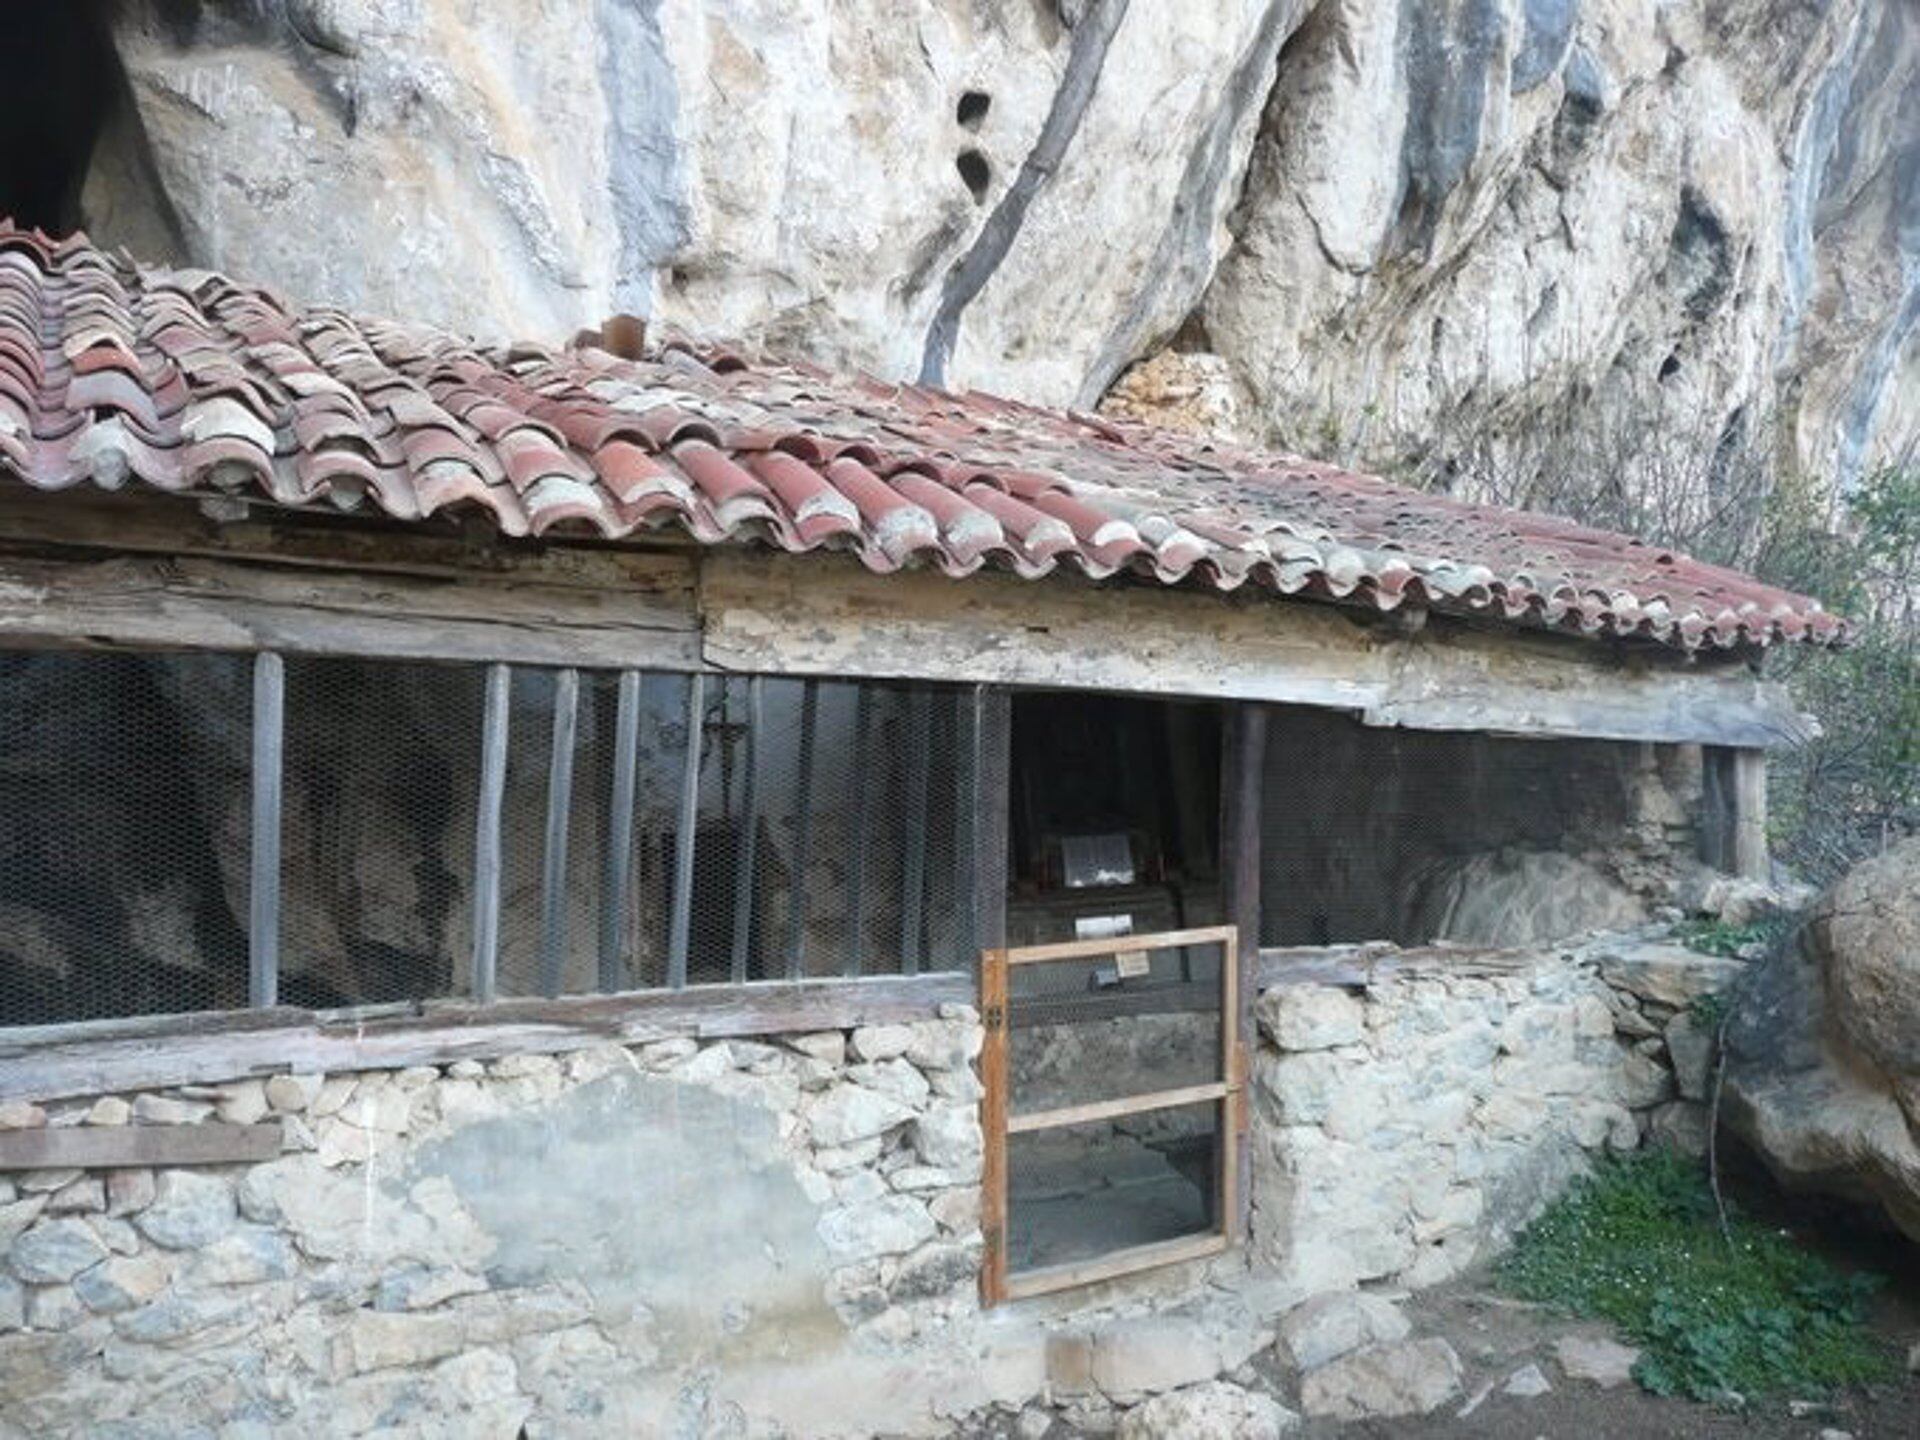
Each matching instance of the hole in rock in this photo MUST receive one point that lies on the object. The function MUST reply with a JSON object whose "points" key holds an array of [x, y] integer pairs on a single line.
{"points": [[975, 171], [973, 108]]}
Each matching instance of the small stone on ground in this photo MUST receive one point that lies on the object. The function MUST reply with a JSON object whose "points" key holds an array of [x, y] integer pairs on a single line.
{"points": [[1409, 1378], [1213, 1410], [1606, 1363], [1329, 1326], [1527, 1382]]}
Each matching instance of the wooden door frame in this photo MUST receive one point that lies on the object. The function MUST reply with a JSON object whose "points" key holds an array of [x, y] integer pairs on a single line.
{"points": [[1228, 1093]]}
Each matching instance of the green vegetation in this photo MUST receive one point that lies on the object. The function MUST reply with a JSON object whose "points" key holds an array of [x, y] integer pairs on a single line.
{"points": [[1717, 937], [1638, 1244]]}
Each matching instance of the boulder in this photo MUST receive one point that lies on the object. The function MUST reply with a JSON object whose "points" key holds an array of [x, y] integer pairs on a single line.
{"points": [[1662, 973], [1816, 1078], [1865, 937], [1412, 1377], [1329, 1326], [1520, 897], [1215, 1410]]}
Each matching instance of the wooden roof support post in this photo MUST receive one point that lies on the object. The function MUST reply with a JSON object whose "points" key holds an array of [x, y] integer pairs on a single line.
{"points": [[1242, 786], [619, 863], [993, 776], [486, 844], [803, 830], [553, 855], [1734, 820], [263, 873], [746, 858], [686, 835]]}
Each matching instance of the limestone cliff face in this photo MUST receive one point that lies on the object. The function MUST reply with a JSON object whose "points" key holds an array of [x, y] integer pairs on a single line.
{"points": [[1382, 214]]}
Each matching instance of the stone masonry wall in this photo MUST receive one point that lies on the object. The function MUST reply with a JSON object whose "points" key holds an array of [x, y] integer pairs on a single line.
{"points": [[1406, 1127], [671, 1238]]}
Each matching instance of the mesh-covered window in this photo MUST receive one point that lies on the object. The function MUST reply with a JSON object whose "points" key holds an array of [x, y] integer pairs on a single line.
{"points": [[826, 829], [123, 834]]}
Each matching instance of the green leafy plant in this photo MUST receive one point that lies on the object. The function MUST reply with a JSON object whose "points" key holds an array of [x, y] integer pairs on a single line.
{"points": [[1747, 1314], [1716, 937]]}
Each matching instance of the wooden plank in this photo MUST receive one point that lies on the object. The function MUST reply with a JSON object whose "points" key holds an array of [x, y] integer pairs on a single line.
{"points": [[151, 523], [1356, 966], [913, 872], [746, 853], [1172, 997], [486, 843], [803, 831], [553, 852], [1090, 949], [829, 616], [1093, 1110], [993, 773], [263, 865], [125, 1147], [1232, 1217], [1242, 791], [1749, 798], [175, 602], [993, 1125], [118, 1056], [618, 872], [686, 835], [862, 826], [1028, 1283]]}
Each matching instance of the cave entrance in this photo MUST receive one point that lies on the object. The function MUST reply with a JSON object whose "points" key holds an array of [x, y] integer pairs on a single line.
{"points": [[61, 79]]}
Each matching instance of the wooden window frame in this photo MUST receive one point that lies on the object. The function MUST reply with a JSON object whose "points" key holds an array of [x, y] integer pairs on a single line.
{"points": [[997, 1285]]}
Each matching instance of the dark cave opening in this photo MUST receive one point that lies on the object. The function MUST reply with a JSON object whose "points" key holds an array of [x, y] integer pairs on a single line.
{"points": [[61, 78]]}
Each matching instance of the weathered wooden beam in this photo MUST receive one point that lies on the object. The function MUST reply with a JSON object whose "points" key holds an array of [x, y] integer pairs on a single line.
{"points": [[993, 778], [913, 872], [105, 1057], [1242, 790], [746, 847], [686, 835], [125, 1147], [619, 860], [263, 866], [187, 602], [553, 854], [1749, 793], [862, 826], [824, 615], [803, 831], [486, 842]]}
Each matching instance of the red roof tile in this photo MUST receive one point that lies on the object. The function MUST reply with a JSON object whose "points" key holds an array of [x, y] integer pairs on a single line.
{"points": [[192, 382]]}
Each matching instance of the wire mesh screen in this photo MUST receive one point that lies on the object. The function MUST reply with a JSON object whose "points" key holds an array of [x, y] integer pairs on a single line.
{"points": [[652, 829], [1080, 1192], [1115, 1075], [1367, 833], [380, 783], [124, 783]]}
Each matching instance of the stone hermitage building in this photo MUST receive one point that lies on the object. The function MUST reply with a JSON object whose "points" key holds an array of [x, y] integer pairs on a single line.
{"points": [[557, 892]]}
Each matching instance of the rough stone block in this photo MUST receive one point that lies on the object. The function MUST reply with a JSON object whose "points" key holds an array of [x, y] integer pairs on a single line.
{"points": [[880, 1042], [893, 1077], [949, 1136], [166, 1110], [1329, 1326], [1145, 1356], [54, 1251], [1215, 1410], [189, 1210], [1310, 1017], [19, 1115], [122, 1282], [1604, 1362], [889, 1225], [848, 1113], [1690, 1049], [1412, 1377], [110, 1110]]}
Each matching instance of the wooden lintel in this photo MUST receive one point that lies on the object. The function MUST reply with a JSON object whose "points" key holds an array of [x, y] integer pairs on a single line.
{"points": [[117, 1056], [124, 1147], [827, 615]]}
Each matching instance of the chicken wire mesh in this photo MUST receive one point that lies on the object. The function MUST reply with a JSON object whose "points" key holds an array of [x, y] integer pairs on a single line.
{"points": [[826, 828], [124, 784], [1082, 1192], [1089, 1032]]}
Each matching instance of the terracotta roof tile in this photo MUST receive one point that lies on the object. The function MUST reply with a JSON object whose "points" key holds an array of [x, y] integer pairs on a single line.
{"points": [[189, 381]]}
